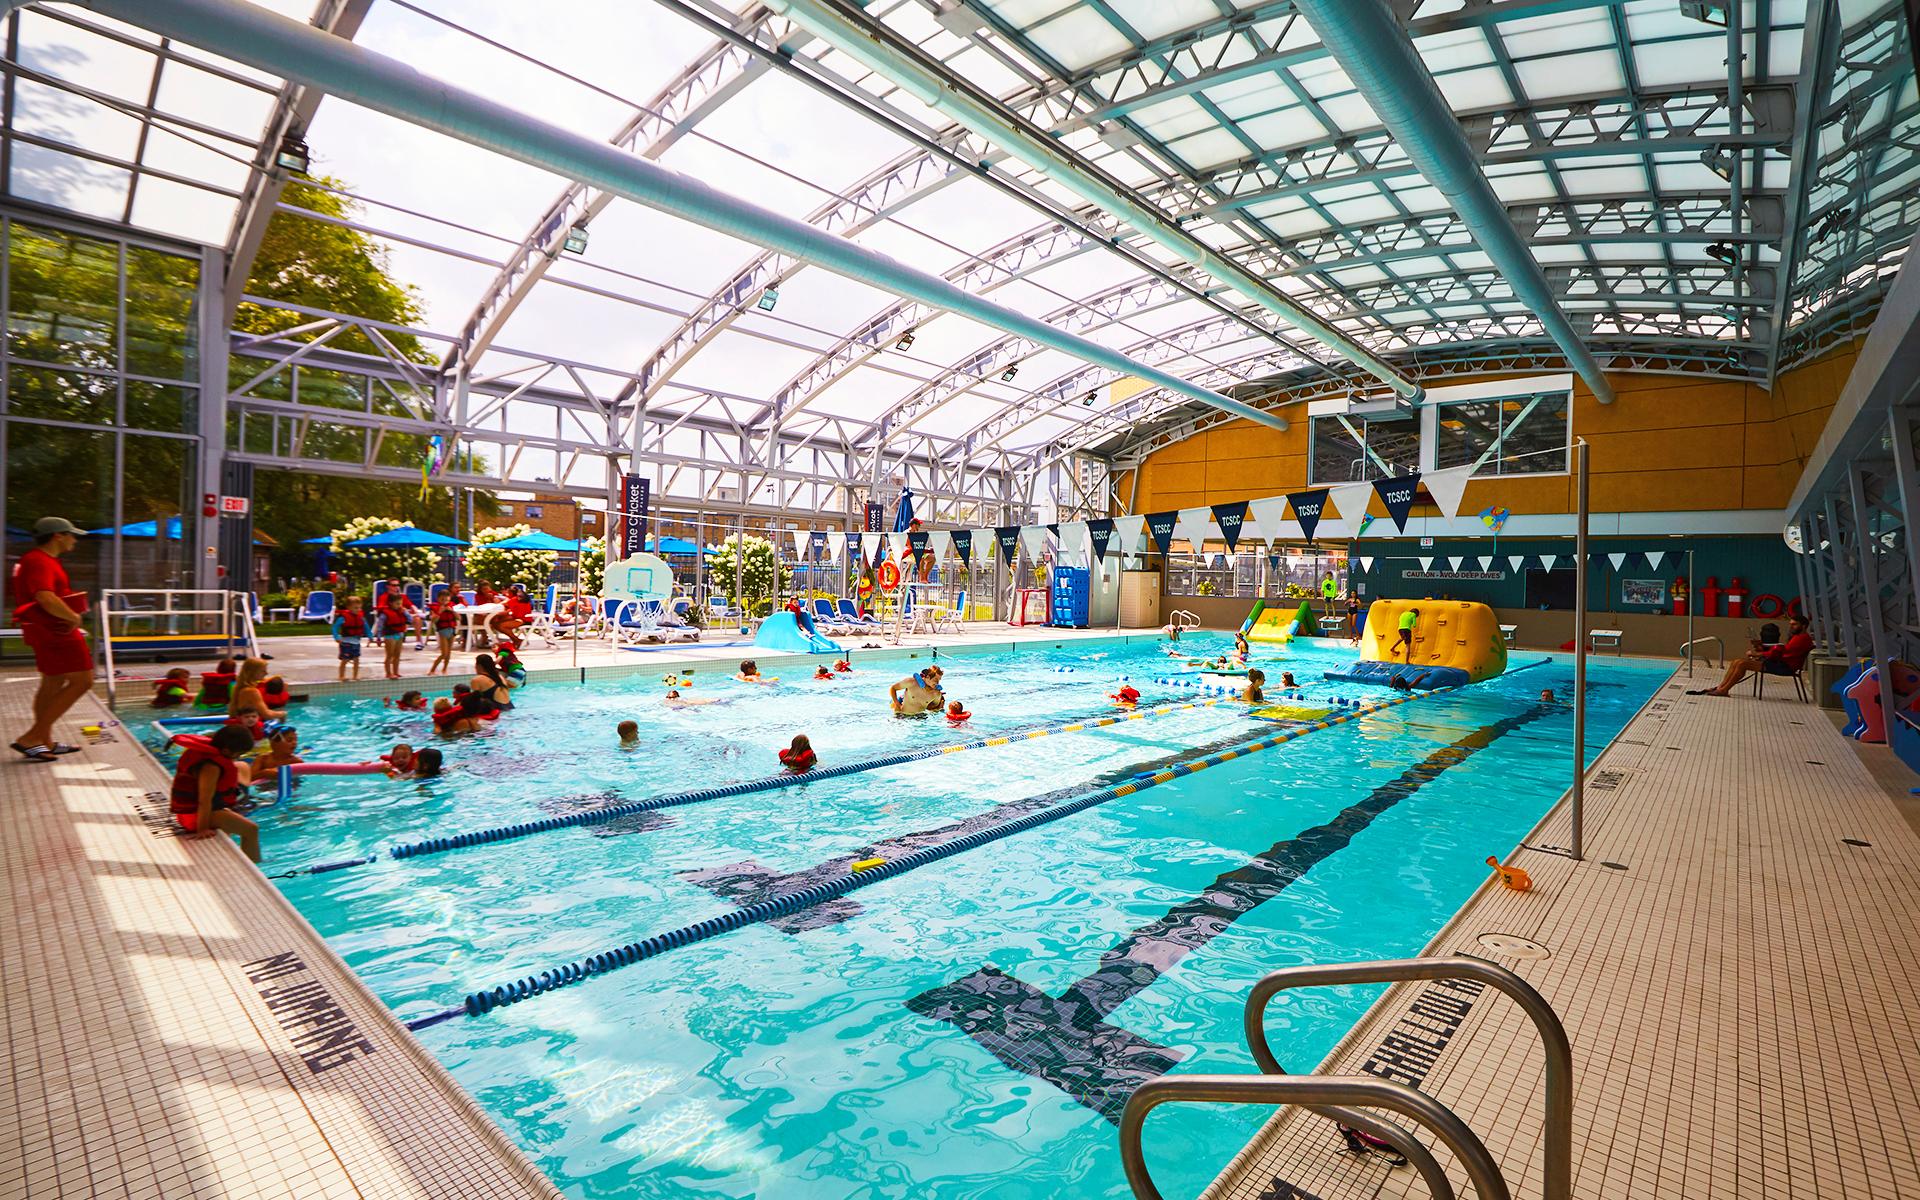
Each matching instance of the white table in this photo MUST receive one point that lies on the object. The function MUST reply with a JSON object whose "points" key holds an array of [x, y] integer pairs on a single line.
{"points": [[280, 614], [476, 617]]}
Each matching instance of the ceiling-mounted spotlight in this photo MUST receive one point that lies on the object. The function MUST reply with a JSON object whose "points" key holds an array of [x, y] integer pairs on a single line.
{"points": [[905, 342], [1087, 400], [576, 240], [293, 155], [1723, 252], [1712, 12], [768, 299], [1007, 375]]}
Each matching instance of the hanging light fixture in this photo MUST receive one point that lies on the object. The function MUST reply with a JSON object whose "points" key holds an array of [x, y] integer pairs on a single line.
{"points": [[576, 240], [1007, 375], [293, 155], [905, 342], [768, 299]]}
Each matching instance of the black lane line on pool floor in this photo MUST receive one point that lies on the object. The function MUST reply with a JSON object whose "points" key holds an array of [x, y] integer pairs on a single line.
{"points": [[1067, 1041], [749, 882]]}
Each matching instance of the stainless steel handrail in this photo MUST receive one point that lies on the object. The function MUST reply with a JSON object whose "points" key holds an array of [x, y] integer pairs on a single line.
{"points": [[1686, 648], [1557, 1179], [1325, 1094]]}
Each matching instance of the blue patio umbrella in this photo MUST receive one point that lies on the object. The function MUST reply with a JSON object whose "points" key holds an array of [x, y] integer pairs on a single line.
{"points": [[143, 529], [674, 545], [323, 540], [404, 536], [537, 540], [903, 516]]}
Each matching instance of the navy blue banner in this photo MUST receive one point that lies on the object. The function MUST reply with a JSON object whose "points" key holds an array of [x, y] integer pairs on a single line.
{"points": [[1398, 495], [1160, 525], [1009, 538], [917, 542], [1231, 516], [1307, 507], [1055, 531], [963, 546], [876, 514], [816, 544], [1101, 533], [634, 493]]}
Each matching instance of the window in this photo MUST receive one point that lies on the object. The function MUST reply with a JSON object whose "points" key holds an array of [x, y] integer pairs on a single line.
{"points": [[1348, 449], [1529, 431], [506, 510], [590, 518], [535, 511]]}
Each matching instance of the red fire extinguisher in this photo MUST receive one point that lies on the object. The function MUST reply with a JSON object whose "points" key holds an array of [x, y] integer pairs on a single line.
{"points": [[1737, 597], [1680, 596], [1710, 597]]}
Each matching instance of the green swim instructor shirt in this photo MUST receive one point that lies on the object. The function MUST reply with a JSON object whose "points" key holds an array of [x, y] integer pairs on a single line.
{"points": [[1407, 619]]}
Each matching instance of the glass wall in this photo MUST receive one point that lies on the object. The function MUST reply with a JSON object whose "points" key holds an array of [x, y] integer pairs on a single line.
{"points": [[100, 408], [1527, 433], [1297, 573]]}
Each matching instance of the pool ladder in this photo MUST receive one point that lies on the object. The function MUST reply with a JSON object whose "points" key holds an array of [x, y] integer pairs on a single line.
{"points": [[1331, 1095]]}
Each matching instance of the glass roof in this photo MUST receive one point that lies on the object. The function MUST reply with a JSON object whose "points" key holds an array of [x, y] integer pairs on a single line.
{"points": [[1603, 125]]}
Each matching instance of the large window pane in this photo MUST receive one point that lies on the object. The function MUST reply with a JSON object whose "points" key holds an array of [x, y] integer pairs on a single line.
{"points": [[1465, 432], [63, 297], [1336, 452], [60, 395], [1393, 448], [163, 334], [158, 483], [62, 473], [1535, 426], [162, 406]]}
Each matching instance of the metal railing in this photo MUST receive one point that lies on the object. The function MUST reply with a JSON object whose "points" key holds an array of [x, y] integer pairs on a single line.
{"points": [[1557, 1179], [1686, 651], [230, 624]]}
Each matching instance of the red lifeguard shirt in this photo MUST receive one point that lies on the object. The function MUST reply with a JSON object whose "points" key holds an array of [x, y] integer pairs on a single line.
{"points": [[36, 572], [1793, 652]]}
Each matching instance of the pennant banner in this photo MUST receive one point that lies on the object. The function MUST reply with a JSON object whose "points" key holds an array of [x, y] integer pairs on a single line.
{"points": [[1366, 564], [1101, 534], [1446, 487], [917, 543], [1034, 538], [1447, 564], [1264, 517], [870, 544], [1160, 525], [1231, 517], [963, 546], [1547, 561], [1073, 537], [1514, 561], [1425, 561], [1191, 527], [1352, 500], [1654, 557], [1009, 538], [1617, 560], [1398, 494], [1127, 531], [836, 543], [817, 544], [1483, 562], [801, 539], [939, 541], [1307, 509]]}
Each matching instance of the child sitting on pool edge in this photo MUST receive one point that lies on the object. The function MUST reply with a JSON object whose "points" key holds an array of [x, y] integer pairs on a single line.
{"points": [[799, 757], [629, 732]]}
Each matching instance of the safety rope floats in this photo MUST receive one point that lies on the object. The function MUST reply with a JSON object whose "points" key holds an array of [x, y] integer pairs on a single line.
{"points": [[597, 816], [613, 959]]}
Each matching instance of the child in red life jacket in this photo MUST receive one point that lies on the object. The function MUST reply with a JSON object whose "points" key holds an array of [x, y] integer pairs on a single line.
{"points": [[171, 691], [349, 630], [799, 757], [956, 713], [446, 623], [1127, 696], [208, 782], [216, 686]]}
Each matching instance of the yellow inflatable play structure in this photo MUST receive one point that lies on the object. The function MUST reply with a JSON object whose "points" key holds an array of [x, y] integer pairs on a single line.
{"points": [[1454, 641]]}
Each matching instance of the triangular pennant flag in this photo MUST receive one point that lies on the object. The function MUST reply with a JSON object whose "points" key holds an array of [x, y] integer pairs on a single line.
{"points": [[1547, 561], [1218, 562], [939, 541], [1654, 557], [1100, 532], [1482, 563], [1617, 560], [1447, 563], [963, 546], [1054, 530], [1366, 564], [1127, 531], [1264, 517], [1192, 526], [1398, 494], [1273, 561], [1446, 487], [1034, 538], [1514, 561], [1351, 499], [801, 540], [1008, 536], [1231, 516], [836, 543], [816, 545], [1425, 561], [1160, 525], [917, 543], [1073, 537], [870, 544], [1308, 508]]}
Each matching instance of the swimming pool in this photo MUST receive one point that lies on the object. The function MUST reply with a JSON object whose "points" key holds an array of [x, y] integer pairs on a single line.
{"points": [[965, 1029]]}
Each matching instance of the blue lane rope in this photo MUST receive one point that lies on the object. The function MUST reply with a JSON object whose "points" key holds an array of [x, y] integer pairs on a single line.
{"points": [[596, 816], [545, 981]]}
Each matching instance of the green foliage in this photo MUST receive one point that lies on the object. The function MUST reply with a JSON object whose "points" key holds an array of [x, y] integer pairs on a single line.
{"points": [[503, 567], [755, 567], [593, 566], [416, 562]]}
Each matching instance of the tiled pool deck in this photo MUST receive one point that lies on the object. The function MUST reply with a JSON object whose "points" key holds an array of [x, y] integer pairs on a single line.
{"points": [[1740, 996]]}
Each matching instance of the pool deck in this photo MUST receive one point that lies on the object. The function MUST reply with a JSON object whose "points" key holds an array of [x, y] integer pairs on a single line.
{"points": [[1740, 992]]}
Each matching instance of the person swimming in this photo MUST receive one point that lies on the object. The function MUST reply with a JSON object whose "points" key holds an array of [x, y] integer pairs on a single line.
{"points": [[799, 756], [1127, 697], [957, 712], [674, 699], [919, 693], [1256, 682], [1287, 680], [822, 673], [843, 667], [750, 673], [409, 702], [629, 732]]}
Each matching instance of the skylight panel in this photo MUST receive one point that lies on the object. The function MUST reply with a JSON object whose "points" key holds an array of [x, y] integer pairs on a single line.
{"points": [[1365, 273], [1022, 13], [1208, 149], [177, 210], [1078, 38], [1472, 90], [1174, 118], [1289, 222], [85, 58], [205, 97], [1350, 112], [736, 362], [1250, 95], [1409, 268], [1532, 185], [1581, 180], [61, 116], [1285, 128], [1693, 60], [1557, 253], [1556, 33], [1570, 74], [1157, 18], [170, 152], [1361, 209], [1688, 177], [67, 181]]}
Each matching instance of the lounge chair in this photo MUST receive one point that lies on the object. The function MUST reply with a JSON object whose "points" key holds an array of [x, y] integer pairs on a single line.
{"points": [[416, 594], [826, 619], [854, 621], [318, 607]]}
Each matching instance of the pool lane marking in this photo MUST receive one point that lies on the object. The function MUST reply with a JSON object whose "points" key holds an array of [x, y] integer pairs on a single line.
{"points": [[1066, 1040], [597, 816], [613, 959]]}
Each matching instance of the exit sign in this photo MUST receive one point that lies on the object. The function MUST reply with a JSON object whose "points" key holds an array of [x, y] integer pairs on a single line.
{"points": [[234, 506]]}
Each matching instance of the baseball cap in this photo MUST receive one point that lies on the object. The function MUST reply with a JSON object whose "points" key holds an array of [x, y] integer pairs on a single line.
{"points": [[47, 526]]}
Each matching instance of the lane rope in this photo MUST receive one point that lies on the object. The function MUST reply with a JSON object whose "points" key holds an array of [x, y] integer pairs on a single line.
{"points": [[613, 959]]}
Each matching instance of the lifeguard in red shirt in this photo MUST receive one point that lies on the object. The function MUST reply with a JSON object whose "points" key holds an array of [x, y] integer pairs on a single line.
{"points": [[47, 611]]}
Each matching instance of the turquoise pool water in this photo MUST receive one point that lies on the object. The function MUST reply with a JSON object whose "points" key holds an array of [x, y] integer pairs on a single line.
{"points": [[963, 1030]]}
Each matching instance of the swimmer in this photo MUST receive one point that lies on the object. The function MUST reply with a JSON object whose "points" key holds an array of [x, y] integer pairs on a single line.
{"points": [[1400, 683], [918, 693], [843, 667], [1127, 697], [171, 690], [274, 692], [799, 757], [408, 702], [675, 700], [1287, 680], [1547, 696], [282, 751], [1241, 651], [427, 763], [750, 673], [629, 732], [400, 760], [1173, 633], [822, 673], [463, 717], [957, 712], [1256, 682]]}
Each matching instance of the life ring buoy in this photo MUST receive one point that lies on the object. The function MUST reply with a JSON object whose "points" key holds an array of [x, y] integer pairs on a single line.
{"points": [[1767, 605], [1796, 609], [889, 575]]}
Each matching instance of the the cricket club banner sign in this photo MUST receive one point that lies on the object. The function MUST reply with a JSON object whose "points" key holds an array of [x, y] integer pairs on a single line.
{"points": [[1160, 525], [876, 514], [1231, 516], [1307, 507], [634, 494]]}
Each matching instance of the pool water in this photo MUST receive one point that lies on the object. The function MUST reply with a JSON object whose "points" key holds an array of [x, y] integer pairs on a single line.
{"points": [[967, 1029]]}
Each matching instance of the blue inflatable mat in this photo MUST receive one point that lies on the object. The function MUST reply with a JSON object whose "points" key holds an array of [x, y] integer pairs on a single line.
{"points": [[1384, 673]]}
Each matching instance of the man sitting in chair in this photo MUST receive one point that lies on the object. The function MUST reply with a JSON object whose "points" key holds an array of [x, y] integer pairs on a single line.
{"points": [[1785, 659]]}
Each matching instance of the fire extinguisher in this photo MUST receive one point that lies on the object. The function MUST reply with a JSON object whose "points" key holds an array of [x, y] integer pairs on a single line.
{"points": [[1680, 596], [1737, 597], [1710, 597]]}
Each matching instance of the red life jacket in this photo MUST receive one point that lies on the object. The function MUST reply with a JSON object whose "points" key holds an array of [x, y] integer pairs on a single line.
{"points": [[216, 687], [445, 618], [353, 624], [197, 752], [800, 761], [279, 699]]}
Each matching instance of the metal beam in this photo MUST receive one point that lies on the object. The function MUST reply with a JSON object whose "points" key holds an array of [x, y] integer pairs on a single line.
{"points": [[1818, 46], [1370, 46]]}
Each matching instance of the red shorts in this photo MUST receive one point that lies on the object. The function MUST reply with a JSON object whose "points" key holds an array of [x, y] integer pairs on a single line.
{"points": [[58, 652]]}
